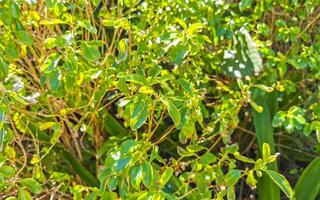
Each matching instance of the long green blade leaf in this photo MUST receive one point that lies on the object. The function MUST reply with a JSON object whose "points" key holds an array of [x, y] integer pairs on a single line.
{"points": [[308, 185], [268, 190]]}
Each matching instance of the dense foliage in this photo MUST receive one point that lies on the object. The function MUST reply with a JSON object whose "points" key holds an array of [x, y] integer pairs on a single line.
{"points": [[159, 99]]}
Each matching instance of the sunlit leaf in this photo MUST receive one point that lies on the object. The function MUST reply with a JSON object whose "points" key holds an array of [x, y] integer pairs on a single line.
{"points": [[32, 185], [173, 111], [281, 181]]}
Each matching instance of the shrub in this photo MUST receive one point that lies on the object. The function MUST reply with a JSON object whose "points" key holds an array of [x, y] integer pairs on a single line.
{"points": [[195, 99]]}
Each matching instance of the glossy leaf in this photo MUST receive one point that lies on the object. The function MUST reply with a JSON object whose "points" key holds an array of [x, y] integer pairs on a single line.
{"points": [[136, 176], [122, 163], [165, 176], [232, 177], [208, 158], [281, 181], [173, 111], [147, 173]]}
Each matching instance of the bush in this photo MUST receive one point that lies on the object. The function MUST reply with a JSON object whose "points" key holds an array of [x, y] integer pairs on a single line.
{"points": [[195, 99]]}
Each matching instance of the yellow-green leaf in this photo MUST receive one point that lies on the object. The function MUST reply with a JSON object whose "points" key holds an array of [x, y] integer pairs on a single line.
{"points": [[173, 111]]}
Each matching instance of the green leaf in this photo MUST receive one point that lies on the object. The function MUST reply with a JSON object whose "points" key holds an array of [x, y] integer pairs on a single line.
{"points": [[238, 156], [59, 41], [7, 171], [300, 119], [130, 3], [137, 122], [267, 189], [253, 52], [187, 131], [53, 22], [208, 158], [243, 59], [47, 125], [137, 78], [232, 177], [109, 195], [264, 88], [122, 23], [55, 137], [24, 37], [169, 196], [2, 182], [230, 193], [91, 196], [146, 90], [50, 43], [165, 176], [32, 185], [50, 63], [4, 68], [232, 149], [308, 185], [278, 119], [54, 80], [86, 24], [51, 3], [186, 85], [136, 176], [183, 153], [90, 53], [12, 50], [15, 10], [281, 181], [108, 22], [195, 148], [178, 53], [18, 98], [112, 183], [181, 23], [123, 50], [127, 146], [24, 195], [122, 163], [154, 153], [244, 4], [147, 173], [137, 108], [173, 111], [251, 180], [289, 125], [194, 28]]}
